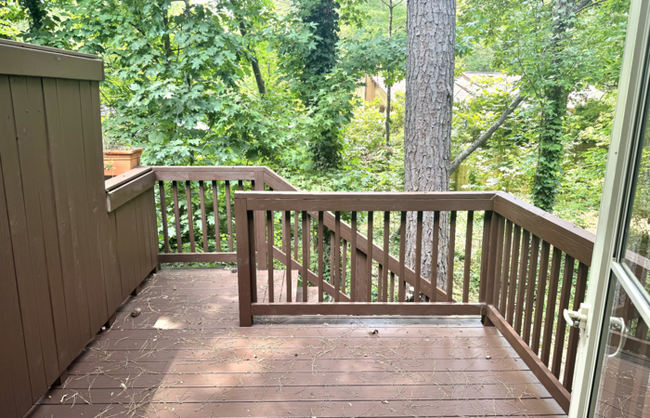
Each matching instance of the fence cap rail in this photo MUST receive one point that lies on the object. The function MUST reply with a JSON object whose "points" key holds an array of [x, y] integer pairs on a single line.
{"points": [[367, 201], [23, 59]]}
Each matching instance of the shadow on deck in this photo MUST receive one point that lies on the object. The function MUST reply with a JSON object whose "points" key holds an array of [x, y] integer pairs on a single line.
{"points": [[185, 356]]}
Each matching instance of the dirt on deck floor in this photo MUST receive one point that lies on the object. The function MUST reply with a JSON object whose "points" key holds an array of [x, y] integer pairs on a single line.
{"points": [[184, 355]]}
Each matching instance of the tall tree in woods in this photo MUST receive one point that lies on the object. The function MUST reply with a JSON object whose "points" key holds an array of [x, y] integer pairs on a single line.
{"points": [[429, 94], [318, 62]]}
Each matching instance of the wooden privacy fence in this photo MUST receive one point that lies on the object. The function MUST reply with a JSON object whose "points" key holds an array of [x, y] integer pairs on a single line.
{"points": [[66, 262], [531, 266]]}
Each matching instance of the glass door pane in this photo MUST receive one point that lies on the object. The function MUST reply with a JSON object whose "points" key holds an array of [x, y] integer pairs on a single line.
{"points": [[624, 388]]}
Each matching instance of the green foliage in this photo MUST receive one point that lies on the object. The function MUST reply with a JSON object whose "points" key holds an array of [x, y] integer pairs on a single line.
{"points": [[557, 50]]}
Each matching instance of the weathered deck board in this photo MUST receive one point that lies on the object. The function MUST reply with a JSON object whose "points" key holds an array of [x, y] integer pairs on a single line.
{"points": [[185, 355]]}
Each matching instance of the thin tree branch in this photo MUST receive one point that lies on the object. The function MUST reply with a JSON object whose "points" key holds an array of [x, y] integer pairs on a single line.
{"points": [[482, 139]]}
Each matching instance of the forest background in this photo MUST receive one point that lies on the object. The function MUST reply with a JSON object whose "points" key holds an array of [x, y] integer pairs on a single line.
{"points": [[261, 82]]}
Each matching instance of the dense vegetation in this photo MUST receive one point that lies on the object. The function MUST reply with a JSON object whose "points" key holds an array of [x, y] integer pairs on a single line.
{"points": [[264, 82]]}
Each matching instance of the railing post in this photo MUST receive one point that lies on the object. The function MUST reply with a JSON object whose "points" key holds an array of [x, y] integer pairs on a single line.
{"points": [[260, 225], [246, 271]]}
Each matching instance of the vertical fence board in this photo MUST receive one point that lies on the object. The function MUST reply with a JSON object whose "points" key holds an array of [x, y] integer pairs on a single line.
{"points": [[286, 241], [468, 255], [384, 278], [305, 254], [204, 219], [498, 254], [269, 242], [15, 384], [177, 218], [549, 318], [512, 280], [229, 215], [434, 254], [215, 213], [190, 215], [336, 251], [505, 270], [321, 261], [522, 281], [418, 259], [163, 215], [451, 257], [401, 291], [368, 277], [541, 292], [530, 289], [353, 257], [485, 250]]}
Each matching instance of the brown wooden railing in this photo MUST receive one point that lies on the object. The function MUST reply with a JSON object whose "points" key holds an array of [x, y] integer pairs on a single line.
{"points": [[202, 232], [532, 266]]}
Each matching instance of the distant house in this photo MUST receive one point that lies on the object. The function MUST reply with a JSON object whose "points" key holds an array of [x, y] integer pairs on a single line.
{"points": [[465, 86]]}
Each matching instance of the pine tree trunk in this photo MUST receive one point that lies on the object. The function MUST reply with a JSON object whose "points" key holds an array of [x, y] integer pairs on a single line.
{"points": [[429, 94]]}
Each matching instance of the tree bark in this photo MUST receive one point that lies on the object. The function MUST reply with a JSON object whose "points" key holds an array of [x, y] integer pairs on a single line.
{"points": [[556, 95], [261, 87], [429, 98]]}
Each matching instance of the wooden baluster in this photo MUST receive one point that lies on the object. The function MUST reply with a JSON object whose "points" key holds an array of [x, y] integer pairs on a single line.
{"points": [[392, 286], [269, 243], [521, 291], [496, 261], [451, 256], [541, 292], [286, 242], [565, 296], [305, 253], [204, 220], [384, 286], [163, 214], [505, 270], [369, 259], [495, 230], [229, 215], [485, 255], [179, 238], [549, 318], [353, 258], [468, 255], [401, 291], [331, 258], [344, 273], [380, 274], [321, 262], [190, 215], [241, 185], [512, 290], [572, 346], [418, 260], [434, 256], [337, 255], [296, 222], [215, 207], [530, 289]]}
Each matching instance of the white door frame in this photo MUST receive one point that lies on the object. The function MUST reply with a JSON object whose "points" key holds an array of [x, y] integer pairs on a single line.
{"points": [[613, 209]]}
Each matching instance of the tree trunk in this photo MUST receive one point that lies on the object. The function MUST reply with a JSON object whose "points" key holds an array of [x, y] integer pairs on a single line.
{"points": [[554, 108], [427, 140], [388, 116]]}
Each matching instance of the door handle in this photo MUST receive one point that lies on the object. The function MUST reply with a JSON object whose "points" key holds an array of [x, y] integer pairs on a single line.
{"points": [[618, 323]]}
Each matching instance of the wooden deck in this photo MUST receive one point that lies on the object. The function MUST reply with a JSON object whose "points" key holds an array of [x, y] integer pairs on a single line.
{"points": [[185, 356]]}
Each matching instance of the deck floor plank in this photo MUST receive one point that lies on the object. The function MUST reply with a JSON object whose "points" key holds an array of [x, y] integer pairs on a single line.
{"points": [[185, 356]]}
